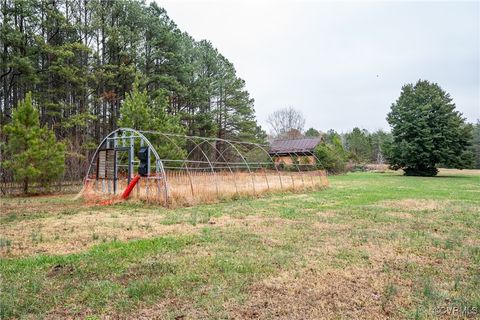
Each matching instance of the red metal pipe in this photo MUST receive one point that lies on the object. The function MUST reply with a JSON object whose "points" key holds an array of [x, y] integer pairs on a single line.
{"points": [[130, 187]]}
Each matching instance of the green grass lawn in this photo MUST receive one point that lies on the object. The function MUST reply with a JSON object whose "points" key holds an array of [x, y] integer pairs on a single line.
{"points": [[370, 246]]}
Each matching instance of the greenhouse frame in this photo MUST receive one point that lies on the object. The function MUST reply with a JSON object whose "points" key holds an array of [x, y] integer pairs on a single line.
{"points": [[176, 169]]}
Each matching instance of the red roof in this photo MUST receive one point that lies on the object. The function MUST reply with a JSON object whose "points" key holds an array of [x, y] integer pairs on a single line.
{"points": [[305, 145]]}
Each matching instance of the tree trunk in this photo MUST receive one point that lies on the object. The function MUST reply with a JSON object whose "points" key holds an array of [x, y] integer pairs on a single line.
{"points": [[25, 186]]}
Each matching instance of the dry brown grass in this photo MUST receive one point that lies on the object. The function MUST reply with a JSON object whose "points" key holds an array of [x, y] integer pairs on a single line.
{"points": [[345, 253], [59, 234], [323, 292], [190, 188], [467, 172], [51, 204], [314, 294], [62, 234], [337, 275], [414, 204]]}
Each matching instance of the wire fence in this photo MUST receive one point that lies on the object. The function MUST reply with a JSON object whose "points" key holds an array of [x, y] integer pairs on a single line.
{"points": [[190, 188], [186, 170]]}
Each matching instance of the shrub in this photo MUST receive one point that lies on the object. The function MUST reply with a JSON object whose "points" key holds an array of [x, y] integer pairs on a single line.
{"points": [[331, 157]]}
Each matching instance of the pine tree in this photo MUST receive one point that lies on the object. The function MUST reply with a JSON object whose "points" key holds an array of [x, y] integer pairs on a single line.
{"points": [[476, 144], [81, 58], [34, 154], [359, 144], [379, 139], [135, 112], [173, 148], [331, 155], [312, 132], [138, 113], [427, 131]]}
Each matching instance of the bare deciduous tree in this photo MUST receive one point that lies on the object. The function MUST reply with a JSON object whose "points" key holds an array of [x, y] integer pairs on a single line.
{"points": [[285, 120]]}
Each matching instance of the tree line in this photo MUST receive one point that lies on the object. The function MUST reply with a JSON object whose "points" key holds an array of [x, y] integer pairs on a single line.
{"points": [[427, 133], [80, 59], [359, 146], [356, 147], [336, 150], [74, 70]]}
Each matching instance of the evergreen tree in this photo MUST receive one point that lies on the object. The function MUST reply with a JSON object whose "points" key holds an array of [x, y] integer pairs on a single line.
{"points": [[34, 154], [476, 144], [331, 135], [378, 140], [427, 131], [174, 147], [135, 112], [138, 113], [80, 58], [312, 132], [358, 143], [331, 155]]}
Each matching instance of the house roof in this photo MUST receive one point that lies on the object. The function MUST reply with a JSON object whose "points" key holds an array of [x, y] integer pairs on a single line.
{"points": [[294, 146]]}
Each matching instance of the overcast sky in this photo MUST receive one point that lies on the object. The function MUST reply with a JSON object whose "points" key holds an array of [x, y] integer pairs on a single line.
{"points": [[342, 64]]}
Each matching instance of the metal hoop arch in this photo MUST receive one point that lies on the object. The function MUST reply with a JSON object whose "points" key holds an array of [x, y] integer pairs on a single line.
{"points": [[250, 159]]}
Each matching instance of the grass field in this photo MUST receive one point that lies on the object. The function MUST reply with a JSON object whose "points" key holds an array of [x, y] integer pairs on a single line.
{"points": [[370, 246]]}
